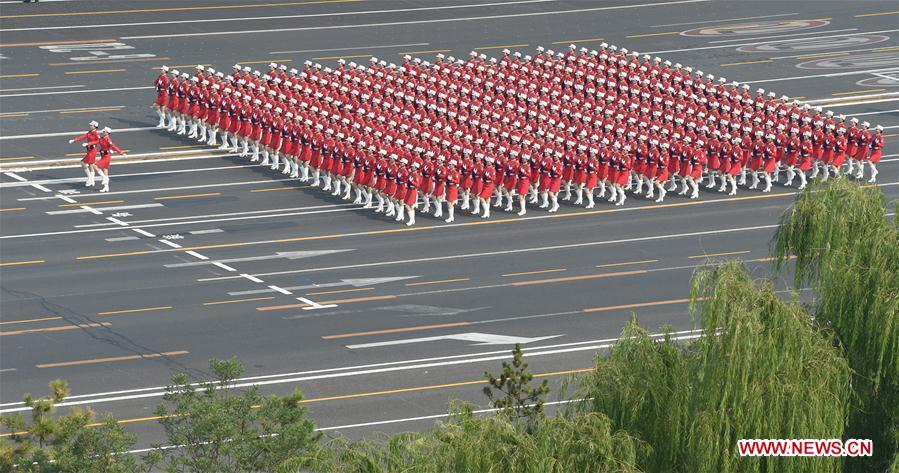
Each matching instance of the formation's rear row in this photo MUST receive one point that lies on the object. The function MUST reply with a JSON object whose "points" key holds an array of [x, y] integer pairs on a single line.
{"points": [[513, 131]]}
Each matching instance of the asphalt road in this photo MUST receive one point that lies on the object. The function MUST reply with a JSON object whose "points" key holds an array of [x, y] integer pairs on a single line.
{"points": [[188, 259]]}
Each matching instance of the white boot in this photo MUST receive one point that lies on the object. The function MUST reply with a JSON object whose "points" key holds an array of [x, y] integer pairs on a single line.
{"points": [[173, 122], [89, 182], [451, 211], [358, 196], [802, 181], [202, 138], [545, 203], [591, 204], [368, 199], [684, 187], [465, 199], [391, 209], [161, 123], [477, 206], [652, 190], [400, 213], [791, 174], [623, 198], [755, 180], [105, 183], [336, 183], [380, 204], [411, 218], [733, 186], [873, 173], [555, 206], [639, 189], [662, 192], [276, 161], [767, 184], [294, 170], [580, 196], [193, 130], [695, 187], [316, 180], [426, 208], [349, 190], [486, 209], [438, 209], [521, 203]]}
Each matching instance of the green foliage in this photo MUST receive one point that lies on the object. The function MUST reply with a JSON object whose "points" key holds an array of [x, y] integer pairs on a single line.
{"points": [[512, 392], [221, 429], [847, 251], [71, 443], [494, 443]]}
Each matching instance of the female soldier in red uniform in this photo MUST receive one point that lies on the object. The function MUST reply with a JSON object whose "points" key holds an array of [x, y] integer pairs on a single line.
{"points": [[106, 148], [452, 189], [90, 154], [162, 95], [486, 187], [524, 182]]}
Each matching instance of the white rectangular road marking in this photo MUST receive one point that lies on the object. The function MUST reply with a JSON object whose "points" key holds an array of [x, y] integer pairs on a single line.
{"points": [[144, 232], [24, 182], [70, 133], [420, 22], [44, 88], [252, 278], [61, 197], [278, 289], [167, 189], [70, 180], [314, 305], [124, 238], [85, 91], [204, 232], [105, 209], [224, 266], [170, 243], [197, 255]]}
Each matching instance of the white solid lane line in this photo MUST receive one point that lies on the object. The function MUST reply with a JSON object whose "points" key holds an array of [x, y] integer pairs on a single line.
{"points": [[65, 109], [85, 91], [285, 17], [69, 180], [43, 88], [229, 214], [74, 133], [419, 22], [330, 373], [874, 113], [386, 46]]}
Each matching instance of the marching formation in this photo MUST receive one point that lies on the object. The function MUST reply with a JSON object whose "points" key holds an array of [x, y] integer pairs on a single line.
{"points": [[511, 131], [97, 142]]}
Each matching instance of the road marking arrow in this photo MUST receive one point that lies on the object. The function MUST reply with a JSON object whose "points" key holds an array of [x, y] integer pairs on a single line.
{"points": [[481, 338], [360, 282], [281, 254]]}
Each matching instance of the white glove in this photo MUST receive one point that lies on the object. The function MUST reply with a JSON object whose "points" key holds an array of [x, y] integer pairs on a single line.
{"points": [[84, 145], [124, 155], [71, 141]]}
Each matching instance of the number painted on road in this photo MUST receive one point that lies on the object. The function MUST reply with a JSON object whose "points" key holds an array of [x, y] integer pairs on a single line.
{"points": [[175, 236], [97, 51], [121, 214]]}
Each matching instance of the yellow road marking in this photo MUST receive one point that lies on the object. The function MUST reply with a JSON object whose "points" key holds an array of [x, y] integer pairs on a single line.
{"points": [[612, 265], [96, 110], [76, 204], [412, 53], [173, 9], [535, 272], [10, 76], [877, 14], [891, 135], [49, 43], [189, 196], [891, 48], [853, 92], [394, 330], [353, 56], [339, 301], [20, 157], [438, 282], [668, 33], [264, 61], [637, 305], [504, 46], [57, 328], [340, 291], [17, 263], [129, 311], [575, 41], [14, 209], [183, 147], [95, 72], [354, 396], [240, 300], [439, 227], [712, 255], [113, 358], [578, 278], [113, 61], [41, 319], [280, 189], [14, 115], [762, 61]]}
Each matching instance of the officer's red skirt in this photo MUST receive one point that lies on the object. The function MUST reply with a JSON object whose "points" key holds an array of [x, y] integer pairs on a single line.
{"points": [[827, 156], [713, 161], [524, 186], [467, 181], [735, 168], [173, 102], [509, 183], [486, 190], [662, 175], [817, 152], [439, 188], [411, 197], [790, 158], [580, 177], [452, 193], [622, 177], [696, 172], [805, 163], [592, 180], [476, 186], [193, 110], [838, 158], [545, 182], [875, 156], [567, 173], [426, 184], [161, 99], [652, 170], [90, 156], [768, 165], [399, 192], [555, 184], [104, 161], [861, 152]]}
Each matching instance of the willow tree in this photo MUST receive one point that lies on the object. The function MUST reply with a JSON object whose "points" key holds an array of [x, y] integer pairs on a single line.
{"points": [[846, 250], [762, 369]]}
